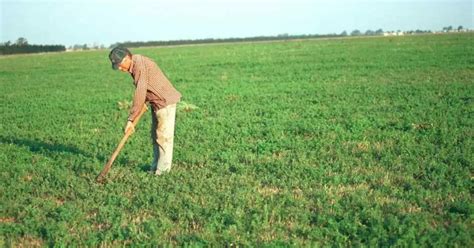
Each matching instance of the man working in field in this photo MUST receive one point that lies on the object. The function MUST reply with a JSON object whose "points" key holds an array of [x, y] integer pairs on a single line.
{"points": [[153, 87]]}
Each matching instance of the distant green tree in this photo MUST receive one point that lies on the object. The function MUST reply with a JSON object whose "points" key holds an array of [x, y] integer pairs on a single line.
{"points": [[379, 31], [344, 33], [447, 29], [369, 32], [84, 47], [21, 42], [356, 32], [460, 28]]}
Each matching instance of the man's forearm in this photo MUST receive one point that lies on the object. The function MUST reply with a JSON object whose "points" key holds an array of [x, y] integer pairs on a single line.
{"points": [[135, 112], [138, 100]]}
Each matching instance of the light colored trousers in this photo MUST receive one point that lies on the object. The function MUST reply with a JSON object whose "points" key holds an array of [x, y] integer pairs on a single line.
{"points": [[162, 135]]}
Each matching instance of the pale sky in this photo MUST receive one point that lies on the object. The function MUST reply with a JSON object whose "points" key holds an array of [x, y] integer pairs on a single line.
{"points": [[70, 22]]}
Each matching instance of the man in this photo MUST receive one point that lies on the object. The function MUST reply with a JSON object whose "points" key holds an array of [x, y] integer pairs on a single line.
{"points": [[153, 87]]}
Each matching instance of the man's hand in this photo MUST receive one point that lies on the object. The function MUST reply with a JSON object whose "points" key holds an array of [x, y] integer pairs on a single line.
{"points": [[129, 127]]}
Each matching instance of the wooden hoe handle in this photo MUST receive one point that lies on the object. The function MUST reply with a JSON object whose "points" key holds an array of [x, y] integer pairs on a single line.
{"points": [[105, 170]]}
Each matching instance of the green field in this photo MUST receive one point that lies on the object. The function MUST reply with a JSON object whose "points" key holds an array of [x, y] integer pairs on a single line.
{"points": [[305, 143]]}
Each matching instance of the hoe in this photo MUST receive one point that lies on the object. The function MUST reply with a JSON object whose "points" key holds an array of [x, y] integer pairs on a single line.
{"points": [[107, 166]]}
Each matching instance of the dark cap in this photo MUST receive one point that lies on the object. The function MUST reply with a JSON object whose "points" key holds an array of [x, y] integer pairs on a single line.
{"points": [[116, 56]]}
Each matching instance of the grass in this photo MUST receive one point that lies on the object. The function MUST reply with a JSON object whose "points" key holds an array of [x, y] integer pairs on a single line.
{"points": [[316, 142]]}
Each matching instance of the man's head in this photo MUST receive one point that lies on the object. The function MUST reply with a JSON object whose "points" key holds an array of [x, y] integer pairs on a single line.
{"points": [[121, 58]]}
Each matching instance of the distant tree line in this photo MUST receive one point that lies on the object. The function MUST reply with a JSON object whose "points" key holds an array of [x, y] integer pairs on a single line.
{"points": [[85, 47], [369, 32], [21, 46], [356, 32], [211, 40]]}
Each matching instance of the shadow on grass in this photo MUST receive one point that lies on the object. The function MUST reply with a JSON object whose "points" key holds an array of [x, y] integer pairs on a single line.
{"points": [[42, 146], [51, 148], [145, 167]]}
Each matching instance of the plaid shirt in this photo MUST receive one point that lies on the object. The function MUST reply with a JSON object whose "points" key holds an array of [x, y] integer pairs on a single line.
{"points": [[151, 86]]}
